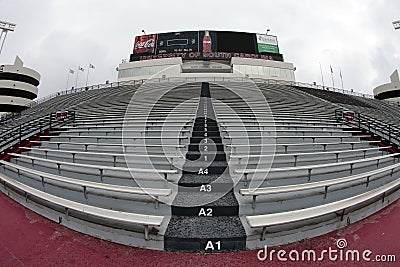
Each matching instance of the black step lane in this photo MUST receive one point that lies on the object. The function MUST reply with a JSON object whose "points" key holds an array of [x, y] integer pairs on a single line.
{"points": [[215, 167], [196, 155], [201, 139], [209, 134], [225, 235], [205, 212]]}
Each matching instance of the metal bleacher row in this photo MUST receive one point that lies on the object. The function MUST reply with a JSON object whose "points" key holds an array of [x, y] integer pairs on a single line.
{"points": [[113, 171], [319, 166], [86, 163]]}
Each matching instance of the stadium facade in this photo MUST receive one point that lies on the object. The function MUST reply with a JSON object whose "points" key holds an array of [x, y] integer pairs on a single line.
{"points": [[195, 54], [206, 143]]}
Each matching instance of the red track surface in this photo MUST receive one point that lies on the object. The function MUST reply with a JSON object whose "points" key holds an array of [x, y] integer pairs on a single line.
{"points": [[27, 239]]}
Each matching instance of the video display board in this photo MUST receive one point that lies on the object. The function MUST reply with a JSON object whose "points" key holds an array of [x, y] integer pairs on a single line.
{"points": [[206, 45], [177, 42]]}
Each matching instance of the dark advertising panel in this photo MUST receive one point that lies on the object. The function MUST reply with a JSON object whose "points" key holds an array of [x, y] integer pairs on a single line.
{"points": [[177, 42], [145, 44], [239, 42]]}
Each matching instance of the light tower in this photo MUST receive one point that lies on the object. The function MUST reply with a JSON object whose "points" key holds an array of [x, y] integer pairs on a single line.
{"points": [[5, 27], [396, 25]]}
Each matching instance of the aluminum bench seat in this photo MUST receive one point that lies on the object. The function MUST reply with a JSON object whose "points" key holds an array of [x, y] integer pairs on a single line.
{"points": [[270, 126], [108, 159], [166, 120], [294, 137], [228, 116], [150, 155], [254, 192], [48, 177], [127, 125], [104, 127], [309, 168], [300, 132], [262, 119], [267, 220], [312, 155], [109, 144], [89, 212], [271, 122], [110, 137], [100, 168], [305, 145]]}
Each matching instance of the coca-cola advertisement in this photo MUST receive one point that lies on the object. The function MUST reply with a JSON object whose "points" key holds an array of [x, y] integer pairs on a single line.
{"points": [[145, 44], [208, 40]]}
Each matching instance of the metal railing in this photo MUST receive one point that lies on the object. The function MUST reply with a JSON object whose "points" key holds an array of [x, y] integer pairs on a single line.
{"points": [[25, 131], [197, 79], [73, 91], [332, 89], [387, 131]]}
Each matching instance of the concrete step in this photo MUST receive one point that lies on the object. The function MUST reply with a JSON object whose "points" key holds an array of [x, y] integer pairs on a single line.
{"points": [[196, 234]]}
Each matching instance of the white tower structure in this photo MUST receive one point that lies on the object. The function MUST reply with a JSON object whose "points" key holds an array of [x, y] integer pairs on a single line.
{"points": [[18, 86]]}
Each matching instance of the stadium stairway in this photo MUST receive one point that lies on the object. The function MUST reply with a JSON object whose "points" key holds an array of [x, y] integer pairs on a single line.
{"points": [[205, 210]]}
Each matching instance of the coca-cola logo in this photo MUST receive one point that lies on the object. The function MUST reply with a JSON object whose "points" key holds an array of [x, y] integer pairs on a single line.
{"points": [[148, 44]]}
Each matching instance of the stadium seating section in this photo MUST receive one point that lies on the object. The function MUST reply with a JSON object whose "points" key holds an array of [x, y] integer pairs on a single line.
{"points": [[207, 166]]}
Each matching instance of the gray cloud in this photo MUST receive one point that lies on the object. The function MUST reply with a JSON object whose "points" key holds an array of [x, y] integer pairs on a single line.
{"points": [[55, 35]]}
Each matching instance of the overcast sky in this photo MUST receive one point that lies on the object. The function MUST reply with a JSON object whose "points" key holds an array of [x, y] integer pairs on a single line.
{"points": [[354, 35]]}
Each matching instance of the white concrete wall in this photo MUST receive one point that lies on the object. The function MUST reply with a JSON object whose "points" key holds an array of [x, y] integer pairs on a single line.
{"points": [[19, 85], [386, 87], [16, 101], [276, 70], [22, 70], [172, 67]]}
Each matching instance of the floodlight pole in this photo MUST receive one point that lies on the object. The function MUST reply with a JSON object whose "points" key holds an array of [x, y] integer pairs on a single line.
{"points": [[3, 40], [322, 76], [396, 25], [5, 27]]}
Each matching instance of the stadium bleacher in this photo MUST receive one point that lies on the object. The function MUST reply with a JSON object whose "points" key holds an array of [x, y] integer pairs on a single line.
{"points": [[132, 170]]}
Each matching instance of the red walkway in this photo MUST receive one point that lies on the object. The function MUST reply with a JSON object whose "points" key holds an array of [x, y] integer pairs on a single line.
{"points": [[27, 239]]}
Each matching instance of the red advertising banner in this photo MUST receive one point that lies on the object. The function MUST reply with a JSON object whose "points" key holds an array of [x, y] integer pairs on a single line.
{"points": [[348, 116], [145, 44], [61, 115]]}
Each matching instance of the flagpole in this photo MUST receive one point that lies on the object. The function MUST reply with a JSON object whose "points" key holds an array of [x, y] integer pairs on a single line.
{"points": [[68, 79], [341, 78], [77, 74], [87, 78], [322, 75], [333, 81]]}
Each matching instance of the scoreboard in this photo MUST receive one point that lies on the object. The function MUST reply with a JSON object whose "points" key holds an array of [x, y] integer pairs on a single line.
{"points": [[206, 45]]}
